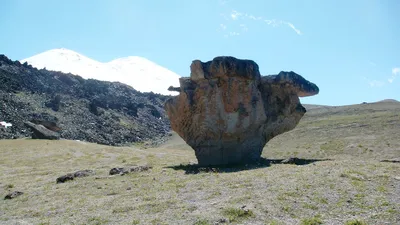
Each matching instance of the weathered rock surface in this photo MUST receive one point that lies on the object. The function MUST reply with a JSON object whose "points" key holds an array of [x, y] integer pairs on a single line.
{"points": [[123, 171], [226, 111], [71, 176], [39, 131], [65, 178], [84, 173], [13, 194]]}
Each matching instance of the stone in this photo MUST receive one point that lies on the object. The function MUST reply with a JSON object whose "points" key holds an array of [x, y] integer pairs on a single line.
{"points": [[65, 178], [84, 173], [290, 160], [115, 171], [140, 168], [41, 132], [47, 124], [395, 160], [226, 111], [72, 176], [196, 69], [13, 194], [123, 171], [220, 221], [171, 88]]}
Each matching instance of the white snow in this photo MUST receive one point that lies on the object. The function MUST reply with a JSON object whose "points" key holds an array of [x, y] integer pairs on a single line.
{"points": [[140, 73], [5, 124]]}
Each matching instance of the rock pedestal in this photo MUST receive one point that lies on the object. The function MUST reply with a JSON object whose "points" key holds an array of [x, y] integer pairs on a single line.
{"points": [[226, 111]]}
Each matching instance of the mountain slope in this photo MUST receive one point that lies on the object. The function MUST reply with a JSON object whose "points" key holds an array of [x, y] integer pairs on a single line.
{"points": [[140, 73], [90, 110]]}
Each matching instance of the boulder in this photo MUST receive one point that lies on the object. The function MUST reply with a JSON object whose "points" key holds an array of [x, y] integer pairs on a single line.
{"points": [[47, 120], [226, 111], [134, 169], [13, 194], [118, 170], [65, 178], [41, 132], [84, 173], [72, 176]]}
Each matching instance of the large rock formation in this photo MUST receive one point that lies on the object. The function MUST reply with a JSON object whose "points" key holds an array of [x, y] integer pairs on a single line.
{"points": [[226, 111], [41, 132]]}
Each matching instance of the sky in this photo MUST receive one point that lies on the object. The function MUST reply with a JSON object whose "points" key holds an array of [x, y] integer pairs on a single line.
{"points": [[350, 49]]}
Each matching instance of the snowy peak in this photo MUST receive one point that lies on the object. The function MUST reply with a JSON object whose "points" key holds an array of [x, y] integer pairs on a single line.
{"points": [[138, 72], [131, 59], [60, 54]]}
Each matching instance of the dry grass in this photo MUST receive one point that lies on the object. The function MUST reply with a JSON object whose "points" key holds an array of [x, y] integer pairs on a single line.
{"points": [[353, 186]]}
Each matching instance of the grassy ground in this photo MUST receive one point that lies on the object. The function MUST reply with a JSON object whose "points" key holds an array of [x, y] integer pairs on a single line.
{"points": [[353, 185]]}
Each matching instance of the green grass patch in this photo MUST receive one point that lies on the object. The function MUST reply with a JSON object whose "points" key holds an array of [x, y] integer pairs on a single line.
{"points": [[316, 220], [237, 215], [355, 222], [333, 145], [310, 206], [202, 222]]}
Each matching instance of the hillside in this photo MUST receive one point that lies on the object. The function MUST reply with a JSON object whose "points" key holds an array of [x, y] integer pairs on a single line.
{"points": [[363, 130], [346, 170], [90, 110], [137, 72]]}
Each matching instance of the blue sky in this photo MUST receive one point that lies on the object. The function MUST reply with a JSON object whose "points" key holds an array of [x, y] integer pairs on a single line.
{"points": [[350, 49]]}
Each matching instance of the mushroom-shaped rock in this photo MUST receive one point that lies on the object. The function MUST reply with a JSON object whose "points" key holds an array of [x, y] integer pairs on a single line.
{"points": [[226, 111]]}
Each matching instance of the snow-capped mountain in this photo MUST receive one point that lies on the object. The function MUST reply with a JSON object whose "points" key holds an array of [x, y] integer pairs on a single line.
{"points": [[138, 72]]}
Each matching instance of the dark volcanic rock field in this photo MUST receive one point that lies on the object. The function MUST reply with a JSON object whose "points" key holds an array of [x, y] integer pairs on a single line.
{"points": [[109, 113]]}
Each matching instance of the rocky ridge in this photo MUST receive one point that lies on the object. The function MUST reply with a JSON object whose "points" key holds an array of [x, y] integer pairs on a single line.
{"points": [[102, 112]]}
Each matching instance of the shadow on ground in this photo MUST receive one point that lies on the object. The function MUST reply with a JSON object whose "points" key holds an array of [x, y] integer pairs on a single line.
{"points": [[195, 168]]}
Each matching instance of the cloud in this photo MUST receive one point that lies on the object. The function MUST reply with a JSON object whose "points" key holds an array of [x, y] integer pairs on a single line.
{"points": [[222, 2], [395, 73], [294, 28], [254, 18], [376, 83], [224, 16], [231, 34], [236, 16], [223, 26], [381, 83], [244, 27], [273, 22]]}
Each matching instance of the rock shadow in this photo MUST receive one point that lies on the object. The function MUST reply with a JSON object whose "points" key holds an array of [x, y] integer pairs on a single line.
{"points": [[262, 163]]}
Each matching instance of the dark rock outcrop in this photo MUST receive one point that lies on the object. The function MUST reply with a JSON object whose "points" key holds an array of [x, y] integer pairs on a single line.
{"points": [[84, 173], [65, 178], [13, 194], [71, 176], [118, 170], [123, 171], [41, 132], [226, 111], [109, 113]]}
